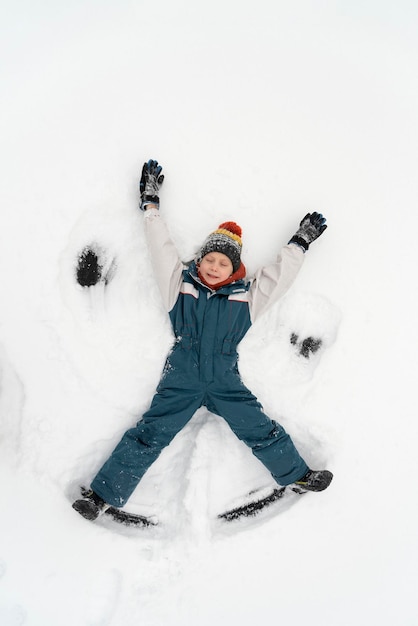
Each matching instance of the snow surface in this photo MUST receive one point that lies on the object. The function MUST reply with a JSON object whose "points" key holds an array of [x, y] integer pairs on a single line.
{"points": [[258, 112]]}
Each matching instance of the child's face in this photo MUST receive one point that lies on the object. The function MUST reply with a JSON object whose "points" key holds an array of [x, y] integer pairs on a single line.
{"points": [[215, 267]]}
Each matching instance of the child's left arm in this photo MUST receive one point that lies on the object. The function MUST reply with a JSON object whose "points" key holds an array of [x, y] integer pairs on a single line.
{"points": [[270, 283]]}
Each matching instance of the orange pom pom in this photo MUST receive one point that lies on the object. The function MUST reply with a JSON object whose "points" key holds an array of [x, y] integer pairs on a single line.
{"points": [[232, 227]]}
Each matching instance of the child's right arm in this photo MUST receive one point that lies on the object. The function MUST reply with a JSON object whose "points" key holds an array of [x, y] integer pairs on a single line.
{"points": [[168, 267]]}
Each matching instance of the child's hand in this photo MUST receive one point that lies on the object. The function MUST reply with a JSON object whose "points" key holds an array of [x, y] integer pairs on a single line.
{"points": [[310, 228], [149, 185]]}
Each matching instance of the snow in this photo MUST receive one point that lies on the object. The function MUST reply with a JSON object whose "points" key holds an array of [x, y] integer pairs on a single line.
{"points": [[259, 112]]}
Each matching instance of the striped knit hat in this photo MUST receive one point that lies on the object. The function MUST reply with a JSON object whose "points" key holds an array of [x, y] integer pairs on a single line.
{"points": [[226, 239]]}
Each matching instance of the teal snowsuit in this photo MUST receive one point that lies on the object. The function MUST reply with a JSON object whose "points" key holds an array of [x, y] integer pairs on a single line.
{"points": [[201, 370]]}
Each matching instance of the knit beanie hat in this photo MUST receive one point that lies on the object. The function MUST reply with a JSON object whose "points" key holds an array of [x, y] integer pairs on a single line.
{"points": [[226, 239]]}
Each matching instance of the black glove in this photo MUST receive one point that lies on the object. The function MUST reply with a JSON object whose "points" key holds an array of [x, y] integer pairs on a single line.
{"points": [[149, 185], [310, 228]]}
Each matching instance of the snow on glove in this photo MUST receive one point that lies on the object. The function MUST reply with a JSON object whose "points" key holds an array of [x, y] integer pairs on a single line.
{"points": [[149, 185], [310, 228]]}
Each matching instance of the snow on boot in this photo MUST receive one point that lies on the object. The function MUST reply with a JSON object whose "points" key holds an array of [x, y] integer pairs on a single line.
{"points": [[90, 506], [312, 481]]}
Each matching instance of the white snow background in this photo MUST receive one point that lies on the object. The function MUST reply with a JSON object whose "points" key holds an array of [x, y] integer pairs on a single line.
{"points": [[259, 112]]}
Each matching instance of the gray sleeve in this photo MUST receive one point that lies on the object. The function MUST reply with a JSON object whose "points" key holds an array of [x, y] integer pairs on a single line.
{"points": [[168, 267], [270, 283]]}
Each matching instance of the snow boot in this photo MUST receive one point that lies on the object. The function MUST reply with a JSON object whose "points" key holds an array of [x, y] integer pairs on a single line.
{"points": [[91, 505], [313, 481]]}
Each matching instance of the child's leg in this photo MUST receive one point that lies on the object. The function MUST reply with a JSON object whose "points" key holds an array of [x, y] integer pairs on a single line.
{"points": [[140, 446], [269, 442]]}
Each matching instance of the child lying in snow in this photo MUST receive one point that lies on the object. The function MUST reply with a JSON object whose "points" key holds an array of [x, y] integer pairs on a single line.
{"points": [[211, 307]]}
